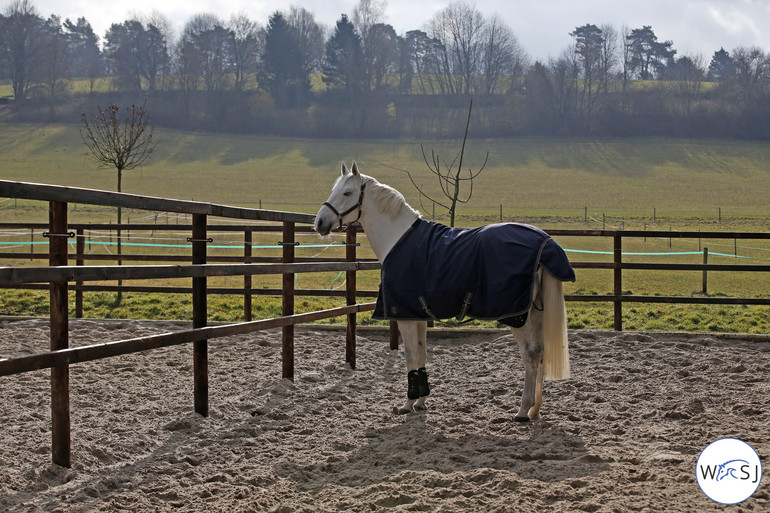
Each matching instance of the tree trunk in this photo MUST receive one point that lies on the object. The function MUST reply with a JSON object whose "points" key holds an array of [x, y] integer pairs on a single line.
{"points": [[120, 249]]}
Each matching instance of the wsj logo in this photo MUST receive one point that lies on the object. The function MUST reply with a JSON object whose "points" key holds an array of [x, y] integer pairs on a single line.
{"points": [[734, 469], [729, 471]]}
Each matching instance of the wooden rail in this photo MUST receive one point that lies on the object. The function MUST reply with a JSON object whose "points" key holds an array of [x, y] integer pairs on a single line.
{"points": [[10, 275], [44, 192], [69, 356]]}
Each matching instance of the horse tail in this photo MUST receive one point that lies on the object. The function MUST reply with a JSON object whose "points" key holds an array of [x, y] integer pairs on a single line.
{"points": [[555, 343]]}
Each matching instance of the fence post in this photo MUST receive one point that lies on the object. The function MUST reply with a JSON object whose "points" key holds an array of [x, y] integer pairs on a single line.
{"points": [[393, 335], [618, 281], [705, 272], [80, 249], [350, 296], [200, 318], [60, 376], [287, 335], [247, 240]]}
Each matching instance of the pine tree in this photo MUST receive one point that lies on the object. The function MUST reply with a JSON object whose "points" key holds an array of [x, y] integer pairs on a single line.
{"points": [[342, 68], [283, 74], [721, 67]]}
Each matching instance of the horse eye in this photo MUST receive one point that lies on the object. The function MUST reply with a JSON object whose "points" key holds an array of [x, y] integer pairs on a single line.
{"points": [[347, 193]]}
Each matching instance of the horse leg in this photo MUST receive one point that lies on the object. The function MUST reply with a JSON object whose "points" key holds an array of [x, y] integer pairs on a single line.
{"points": [[414, 334], [530, 340], [423, 389]]}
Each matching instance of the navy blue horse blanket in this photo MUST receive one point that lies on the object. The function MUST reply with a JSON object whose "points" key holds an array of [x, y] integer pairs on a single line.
{"points": [[486, 273]]}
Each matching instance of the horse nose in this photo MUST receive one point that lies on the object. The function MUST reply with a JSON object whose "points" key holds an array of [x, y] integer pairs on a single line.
{"points": [[322, 227]]}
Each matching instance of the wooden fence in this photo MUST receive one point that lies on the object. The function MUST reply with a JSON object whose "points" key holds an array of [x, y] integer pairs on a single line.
{"points": [[618, 266], [79, 233], [58, 274]]}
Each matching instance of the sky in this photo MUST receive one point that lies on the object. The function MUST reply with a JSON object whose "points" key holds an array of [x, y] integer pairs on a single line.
{"points": [[697, 27]]}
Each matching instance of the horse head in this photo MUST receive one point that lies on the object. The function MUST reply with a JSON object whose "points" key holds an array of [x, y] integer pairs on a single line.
{"points": [[729, 468], [344, 200]]}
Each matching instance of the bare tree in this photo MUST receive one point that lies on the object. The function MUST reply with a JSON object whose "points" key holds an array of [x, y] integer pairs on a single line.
{"points": [[686, 76], [610, 55], [450, 180], [625, 37], [752, 66], [310, 36], [460, 28], [204, 52], [123, 145], [246, 43], [565, 84], [438, 61], [22, 46], [55, 61], [502, 57], [366, 15]]}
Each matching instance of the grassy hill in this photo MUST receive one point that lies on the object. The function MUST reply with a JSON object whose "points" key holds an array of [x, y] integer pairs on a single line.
{"points": [[537, 176], [660, 183]]}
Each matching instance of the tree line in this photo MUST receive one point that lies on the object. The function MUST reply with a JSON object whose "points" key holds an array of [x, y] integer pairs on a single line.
{"points": [[293, 76]]}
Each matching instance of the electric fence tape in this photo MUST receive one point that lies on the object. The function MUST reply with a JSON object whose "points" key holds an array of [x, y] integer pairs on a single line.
{"points": [[279, 246]]}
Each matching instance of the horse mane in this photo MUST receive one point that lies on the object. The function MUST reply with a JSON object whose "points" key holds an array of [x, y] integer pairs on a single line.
{"points": [[387, 198]]}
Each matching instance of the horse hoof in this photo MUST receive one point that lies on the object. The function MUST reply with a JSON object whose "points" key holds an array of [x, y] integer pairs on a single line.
{"points": [[521, 419], [402, 411]]}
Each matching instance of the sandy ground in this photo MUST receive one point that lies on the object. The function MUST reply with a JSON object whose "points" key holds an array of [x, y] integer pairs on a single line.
{"points": [[623, 434]]}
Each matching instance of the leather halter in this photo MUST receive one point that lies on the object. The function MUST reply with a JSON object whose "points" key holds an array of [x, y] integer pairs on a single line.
{"points": [[341, 215]]}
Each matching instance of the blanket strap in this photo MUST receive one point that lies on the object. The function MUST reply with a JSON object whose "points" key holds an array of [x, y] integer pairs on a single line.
{"points": [[427, 309], [466, 306]]}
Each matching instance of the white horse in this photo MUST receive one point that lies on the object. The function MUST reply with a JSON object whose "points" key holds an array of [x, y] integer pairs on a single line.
{"points": [[386, 217]]}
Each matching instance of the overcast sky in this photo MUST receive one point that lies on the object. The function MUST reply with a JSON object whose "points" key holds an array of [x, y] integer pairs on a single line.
{"points": [[542, 26]]}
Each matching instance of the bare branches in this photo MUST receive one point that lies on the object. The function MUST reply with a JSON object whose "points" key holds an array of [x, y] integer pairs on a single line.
{"points": [[122, 145], [450, 180]]}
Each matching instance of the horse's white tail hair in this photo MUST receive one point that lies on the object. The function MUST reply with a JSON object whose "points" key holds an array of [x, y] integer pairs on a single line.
{"points": [[555, 343]]}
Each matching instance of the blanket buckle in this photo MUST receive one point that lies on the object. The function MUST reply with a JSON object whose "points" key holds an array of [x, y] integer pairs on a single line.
{"points": [[466, 306]]}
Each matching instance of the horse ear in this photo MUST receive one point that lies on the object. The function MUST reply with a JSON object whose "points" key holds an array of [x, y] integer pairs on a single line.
{"points": [[344, 169], [355, 169]]}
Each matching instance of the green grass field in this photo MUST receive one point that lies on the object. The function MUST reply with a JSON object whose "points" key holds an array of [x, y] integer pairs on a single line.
{"points": [[548, 177], [555, 183]]}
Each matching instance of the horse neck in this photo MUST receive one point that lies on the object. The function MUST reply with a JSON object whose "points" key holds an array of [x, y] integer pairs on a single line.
{"points": [[382, 230]]}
